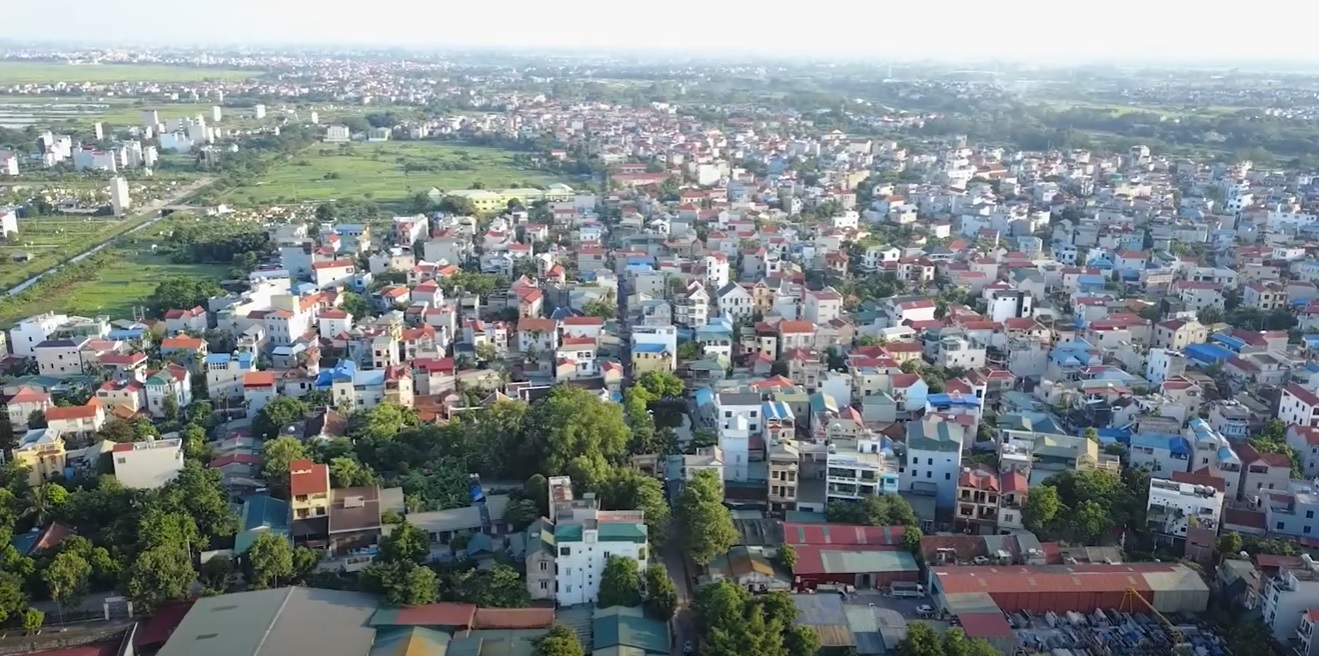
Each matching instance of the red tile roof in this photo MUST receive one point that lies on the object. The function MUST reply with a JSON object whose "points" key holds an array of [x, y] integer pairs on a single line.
{"points": [[307, 478], [259, 379], [443, 614], [509, 619]]}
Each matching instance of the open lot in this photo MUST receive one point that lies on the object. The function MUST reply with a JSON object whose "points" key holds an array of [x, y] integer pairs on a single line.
{"points": [[23, 72], [52, 240], [387, 172], [80, 113], [120, 286]]}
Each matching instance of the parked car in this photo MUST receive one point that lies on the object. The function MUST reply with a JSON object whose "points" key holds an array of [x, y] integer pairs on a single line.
{"points": [[925, 610]]}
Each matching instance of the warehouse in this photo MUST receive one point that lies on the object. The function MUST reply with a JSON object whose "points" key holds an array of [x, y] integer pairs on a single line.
{"points": [[863, 567], [1169, 587]]}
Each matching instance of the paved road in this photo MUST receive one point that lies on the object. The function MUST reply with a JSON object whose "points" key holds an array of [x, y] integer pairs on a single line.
{"points": [[144, 212], [675, 561]]}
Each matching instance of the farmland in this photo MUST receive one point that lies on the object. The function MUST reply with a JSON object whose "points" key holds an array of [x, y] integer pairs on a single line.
{"points": [[128, 278], [387, 172], [52, 240], [25, 72]]}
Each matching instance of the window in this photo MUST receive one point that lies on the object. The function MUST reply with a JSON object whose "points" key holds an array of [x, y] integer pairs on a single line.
{"points": [[544, 585], [544, 566], [1278, 527], [565, 551], [947, 476], [929, 474], [1309, 514]]}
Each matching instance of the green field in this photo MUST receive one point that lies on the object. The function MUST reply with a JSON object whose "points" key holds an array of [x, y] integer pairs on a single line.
{"points": [[23, 72], [53, 240], [1120, 109], [120, 286], [386, 172]]}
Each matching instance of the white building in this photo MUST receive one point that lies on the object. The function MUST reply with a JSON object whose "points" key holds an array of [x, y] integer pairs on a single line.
{"points": [[92, 159], [148, 465], [28, 333], [1298, 406], [664, 335], [8, 164], [120, 201], [337, 134], [738, 417], [934, 459], [1287, 596], [585, 537], [8, 222], [1174, 504], [259, 111], [216, 113], [860, 468]]}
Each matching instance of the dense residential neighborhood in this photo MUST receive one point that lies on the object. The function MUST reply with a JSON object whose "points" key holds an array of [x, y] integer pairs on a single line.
{"points": [[738, 381]]}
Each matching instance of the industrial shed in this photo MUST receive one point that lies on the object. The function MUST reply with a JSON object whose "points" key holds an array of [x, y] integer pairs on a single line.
{"points": [[863, 567], [827, 615], [1169, 587]]}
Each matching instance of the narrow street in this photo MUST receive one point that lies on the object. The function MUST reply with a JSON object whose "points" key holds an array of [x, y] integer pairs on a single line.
{"points": [[684, 621]]}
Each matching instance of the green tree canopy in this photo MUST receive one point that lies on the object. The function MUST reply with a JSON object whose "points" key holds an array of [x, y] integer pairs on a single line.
{"points": [[269, 561], [707, 525], [620, 583], [277, 454], [571, 427], [661, 593], [159, 575], [275, 415], [560, 641]]}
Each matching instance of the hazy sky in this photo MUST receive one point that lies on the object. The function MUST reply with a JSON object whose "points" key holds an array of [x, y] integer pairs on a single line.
{"points": [[1022, 29]]}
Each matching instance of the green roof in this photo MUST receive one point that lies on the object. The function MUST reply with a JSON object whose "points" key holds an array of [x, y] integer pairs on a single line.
{"points": [[619, 626], [606, 532], [623, 532], [410, 641]]}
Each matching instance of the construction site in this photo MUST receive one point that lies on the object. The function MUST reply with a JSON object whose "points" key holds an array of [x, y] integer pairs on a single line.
{"points": [[1114, 633]]}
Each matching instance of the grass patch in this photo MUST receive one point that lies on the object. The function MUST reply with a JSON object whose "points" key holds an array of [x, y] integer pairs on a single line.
{"points": [[23, 72], [53, 240], [127, 279], [386, 172], [1117, 109]]}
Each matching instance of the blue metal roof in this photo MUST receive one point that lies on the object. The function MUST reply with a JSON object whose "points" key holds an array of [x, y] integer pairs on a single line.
{"points": [[1208, 353], [1234, 343], [777, 410], [704, 396], [649, 348]]}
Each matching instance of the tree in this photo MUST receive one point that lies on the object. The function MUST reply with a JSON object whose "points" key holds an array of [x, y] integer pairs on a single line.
{"points": [[403, 583], [33, 620], [802, 641], [405, 543], [66, 578], [347, 471], [707, 525], [1230, 544], [1092, 434], [12, 597], [199, 493], [384, 421], [626, 488], [620, 585], [911, 539], [159, 575], [520, 513], [955, 643], [921, 640], [661, 593], [560, 641], [572, 424], [1209, 316], [786, 557], [45, 501], [277, 414], [886, 510], [170, 407], [660, 384], [215, 573], [278, 453], [1041, 508], [269, 560]]}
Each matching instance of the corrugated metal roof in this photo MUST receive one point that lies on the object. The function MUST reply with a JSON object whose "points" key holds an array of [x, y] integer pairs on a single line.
{"points": [[819, 609], [813, 559], [844, 534], [1054, 578], [972, 602], [985, 625], [618, 625], [835, 635], [443, 614], [1183, 580], [410, 641]]}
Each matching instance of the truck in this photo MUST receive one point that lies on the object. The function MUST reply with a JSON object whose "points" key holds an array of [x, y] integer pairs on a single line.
{"points": [[904, 589]]}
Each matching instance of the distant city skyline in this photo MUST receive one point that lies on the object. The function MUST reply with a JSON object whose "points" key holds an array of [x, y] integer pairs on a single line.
{"points": [[1040, 30]]}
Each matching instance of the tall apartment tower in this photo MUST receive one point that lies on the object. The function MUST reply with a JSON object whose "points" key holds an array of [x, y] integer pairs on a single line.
{"points": [[150, 118], [119, 199]]}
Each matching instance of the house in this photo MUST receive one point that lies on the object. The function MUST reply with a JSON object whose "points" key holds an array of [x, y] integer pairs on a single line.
{"points": [[1262, 472], [1186, 501], [330, 273], [934, 460], [586, 537], [169, 386], [259, 388], [1177, 334], [1298, 406], [652, 357], [60, 358], [147, 465], [79, 420], [22, 405], [42, 451], [185, 321], [309, 489], [978, 499], [225, 373]]}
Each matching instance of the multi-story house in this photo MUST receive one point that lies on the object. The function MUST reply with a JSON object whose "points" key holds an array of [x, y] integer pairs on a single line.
{"points": [[78, 420], [1304, 440], [784, 469], [1214, 455], [60, 358], [1159, 453], [1298, 406], [1288, 596], [148, 465], [1013, 490], [692, 307], [1262, 472], [22, 405], [735, 303], [28, 333], [860, 466], [1294, 512], [978, 500], [1177, 334], [225, 372], [174, 382], [585, 537], [536, 335], [42, 451], [1306, 642], [1183, 502], [933, 459], [309, 489], [821, 307], [259, 389]]}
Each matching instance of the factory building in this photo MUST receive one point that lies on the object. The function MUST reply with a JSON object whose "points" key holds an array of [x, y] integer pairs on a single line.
{"points": [[1168, 587]]}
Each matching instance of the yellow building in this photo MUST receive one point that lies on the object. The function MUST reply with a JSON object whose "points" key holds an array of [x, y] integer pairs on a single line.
{"points": [[651, 357], [309, 489], [496, 200], [42, 450]]}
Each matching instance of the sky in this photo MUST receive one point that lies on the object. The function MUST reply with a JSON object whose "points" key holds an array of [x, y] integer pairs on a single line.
{"points": [[1050, 30]]}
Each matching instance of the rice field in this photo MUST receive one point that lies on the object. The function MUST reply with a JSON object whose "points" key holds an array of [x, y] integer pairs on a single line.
{"points": [[52, 240], [34, 72]]}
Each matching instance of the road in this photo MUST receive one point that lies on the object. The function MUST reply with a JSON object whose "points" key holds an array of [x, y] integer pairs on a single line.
{"points": [[150, 212], [675, 561]]}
